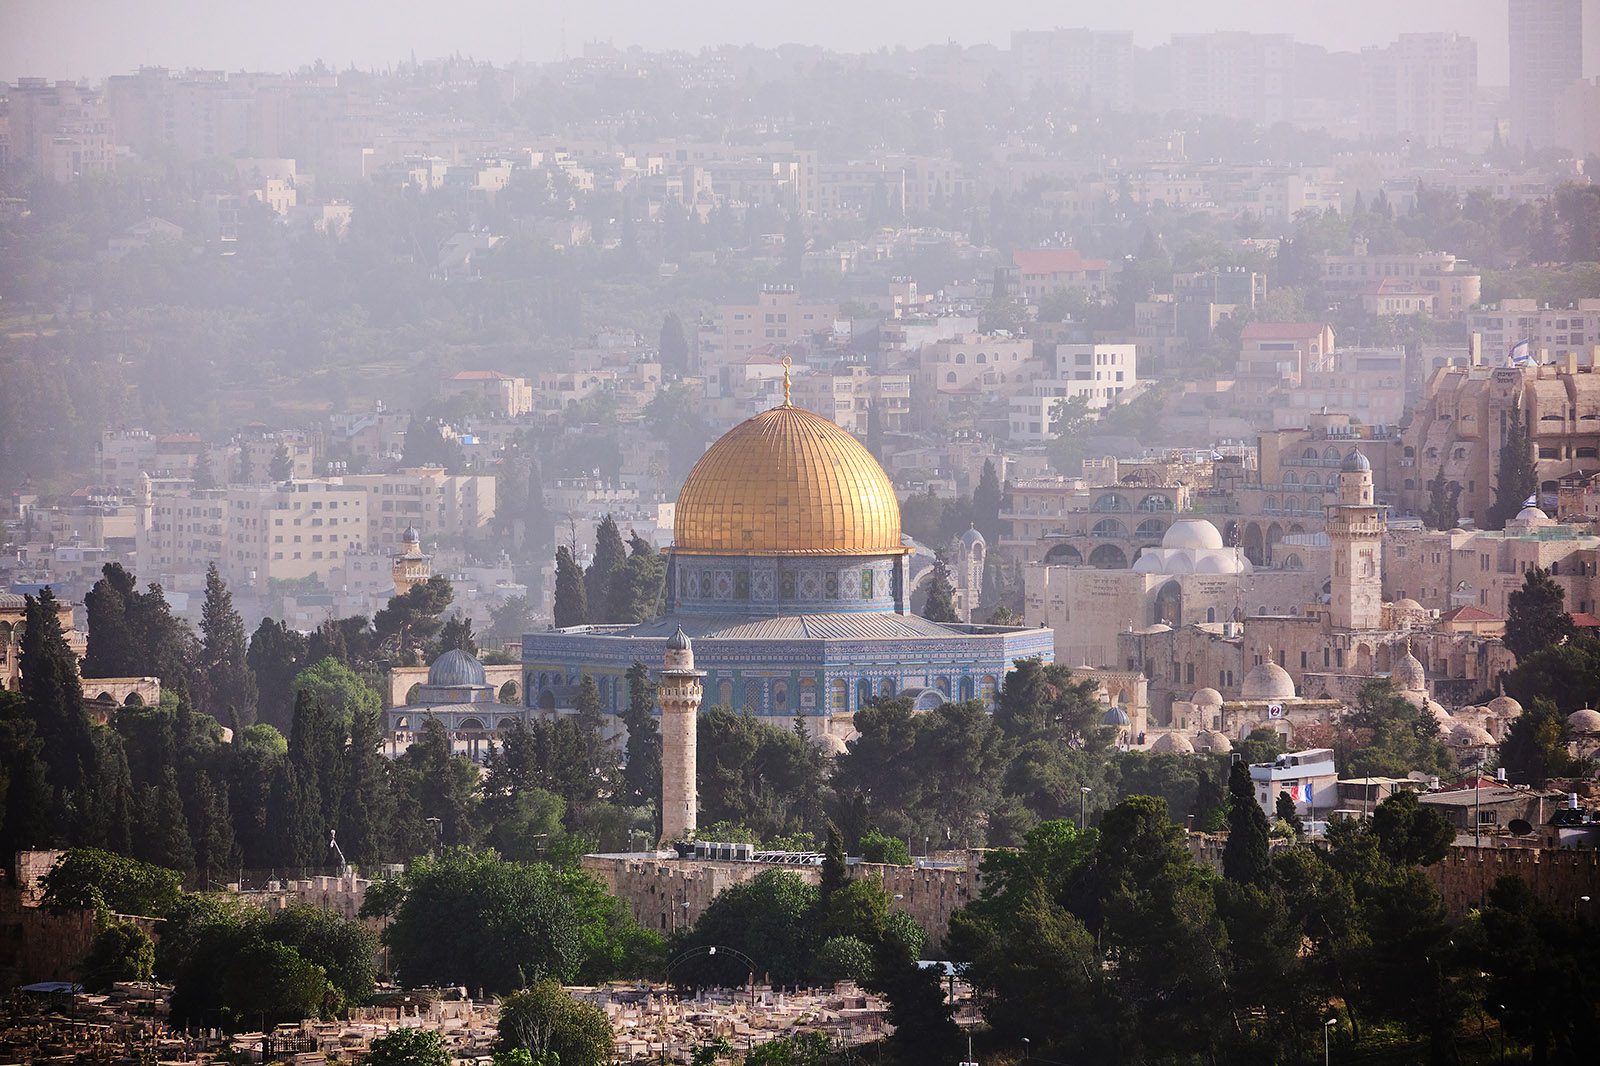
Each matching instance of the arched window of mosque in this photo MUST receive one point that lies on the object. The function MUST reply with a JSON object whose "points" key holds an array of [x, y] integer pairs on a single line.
{"points": [[943, 685], [1330, 452], [886, 687], [950, 378], [786, 586], [1292, 504], [808, 694], [986, 685], [863, 693], [1110, 502], [1151, 528], [1155, 502], [966, 688], [780, 695], [1292, 562], [470, 725], [1309, 453], [1333, 482], [839, 695], [725, 693], [1110, 527], [509, 693], [402, 723], [961, 357], [1270, 503], [1291, 478], [866, 584], [1410, 483], [982, 358]]}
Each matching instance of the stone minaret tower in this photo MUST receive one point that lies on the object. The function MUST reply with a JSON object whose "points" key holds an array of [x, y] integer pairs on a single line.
{"points": [[679, 694], [970, 552], [1356, 528], [410, 567]]}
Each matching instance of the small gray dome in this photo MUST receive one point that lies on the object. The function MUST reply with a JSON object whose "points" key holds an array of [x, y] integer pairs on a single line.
{"points": [[1114, 716], [455, 669], [1356, 463], [411, 536], [679, 641]]}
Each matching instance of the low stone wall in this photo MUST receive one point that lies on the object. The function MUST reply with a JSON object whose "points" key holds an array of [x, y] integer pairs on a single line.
{"points": [[1558, 877], [668, 893]]}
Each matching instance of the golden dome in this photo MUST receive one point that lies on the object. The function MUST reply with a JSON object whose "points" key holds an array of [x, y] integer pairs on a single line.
{"points": [[787, 482]]}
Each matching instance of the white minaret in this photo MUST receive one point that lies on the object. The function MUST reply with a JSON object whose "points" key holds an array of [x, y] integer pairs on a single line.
{"points": [[679, 694]]}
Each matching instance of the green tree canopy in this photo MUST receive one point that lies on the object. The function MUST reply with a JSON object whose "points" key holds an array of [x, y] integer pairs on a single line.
{"points": [[1535, 617]]}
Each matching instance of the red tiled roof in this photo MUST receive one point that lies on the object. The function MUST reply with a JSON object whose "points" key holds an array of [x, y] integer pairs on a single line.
{"points": [[1053, 261], [1468, 612], [1585, 620], [1282, 331]]}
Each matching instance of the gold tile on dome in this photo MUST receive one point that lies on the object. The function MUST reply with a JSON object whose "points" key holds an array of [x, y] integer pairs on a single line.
{"points": [[788, 482]]}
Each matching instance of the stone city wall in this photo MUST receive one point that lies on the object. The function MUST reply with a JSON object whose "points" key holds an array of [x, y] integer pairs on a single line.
{"points": [[667, 894], [1558, 877]]}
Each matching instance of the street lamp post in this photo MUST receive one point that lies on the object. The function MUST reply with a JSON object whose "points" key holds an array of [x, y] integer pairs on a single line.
{"points": [[1327, 1027], [1083, 807]]}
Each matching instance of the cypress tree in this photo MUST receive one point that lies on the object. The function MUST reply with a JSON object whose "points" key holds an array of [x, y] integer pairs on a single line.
{"points": [[276, 655], [364, 814], [1536, 617], [1246, 858], [1444, 503], [986, 500], [313, 762], [673, 345], [610, 556], [105, 812], [112, 650], [53, 695], [211, 830], [24, 785], [835, 873], [281, 467], [572, 601], [201, 474], [230, 687], [641, 777], [1516, 481], [163, 836], [941, 603]]}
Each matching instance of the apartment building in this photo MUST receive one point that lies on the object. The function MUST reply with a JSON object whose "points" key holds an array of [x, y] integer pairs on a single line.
{"points": [[1453, 285], [1098, 374], [1447, 570], [291, 530], [499, 394], [436, 503], [1551, 332], [58, 130], [1423, 87], [780, 316], [1461, 424], [1546, 58], [849, 395], [1042, 271], [1094, 64], [1247, 76], [1273, 355]]}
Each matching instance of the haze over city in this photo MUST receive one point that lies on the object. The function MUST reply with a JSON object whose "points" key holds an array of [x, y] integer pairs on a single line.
{"points": [[76, 38], [735, 535]]}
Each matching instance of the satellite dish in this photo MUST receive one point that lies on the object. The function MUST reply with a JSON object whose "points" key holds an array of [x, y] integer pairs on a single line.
{"points": [[1520, 827]]}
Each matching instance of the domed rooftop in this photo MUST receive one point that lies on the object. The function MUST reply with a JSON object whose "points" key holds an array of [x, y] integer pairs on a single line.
{"points": [[1408, 674], [1191, 533], [1443, 717], [1269, 681], [456, 669], [1206, 697], [1114, 716], [1532, 514], [1467, 735], [972, 537], [787, 482], [1503, 705], [1586, 720], [679, 641], [411, 536], [1172, 744], [1355, 462], [1215, 742], [1408, 604]]}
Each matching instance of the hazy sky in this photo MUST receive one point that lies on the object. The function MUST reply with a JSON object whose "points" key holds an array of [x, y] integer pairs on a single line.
{"points": [[77, 38]]}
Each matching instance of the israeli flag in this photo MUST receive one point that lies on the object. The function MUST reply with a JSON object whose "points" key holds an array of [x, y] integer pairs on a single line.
{"points": [[1520, 355], [1531, 501]]}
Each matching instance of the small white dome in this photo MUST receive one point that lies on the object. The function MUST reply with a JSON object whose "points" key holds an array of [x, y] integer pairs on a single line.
{"points": [[1206, 697], [1192, 533], [1178, 562], [1440, 715], [1585, 720], [1214, 742], [1172, 744], [1504, 706], [1147, 563], [1467, 735], [1408, 674], [1269, 681], [831, 745], [1408, 604], [1532, 514], [1212, 564]]}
